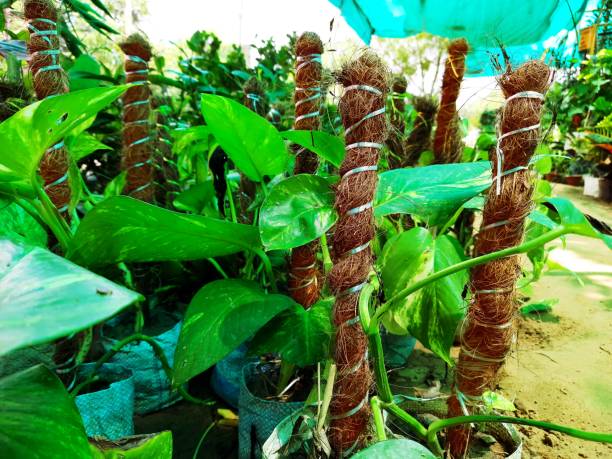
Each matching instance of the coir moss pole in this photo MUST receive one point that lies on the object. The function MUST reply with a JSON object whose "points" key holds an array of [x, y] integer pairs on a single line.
{"points": [[254, 98], [362, 108], [489, 329], [137, 156], [395, 140], [447, 143], [304, 274], [166, 173], [49, 79], [419, 139]]}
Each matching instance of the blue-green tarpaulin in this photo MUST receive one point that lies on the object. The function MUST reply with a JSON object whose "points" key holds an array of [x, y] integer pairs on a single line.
{"points": [[526, 28]]}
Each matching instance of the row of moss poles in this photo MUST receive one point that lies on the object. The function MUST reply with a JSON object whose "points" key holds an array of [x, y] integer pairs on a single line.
{"points": [[304, 271], [255, 99], [49, 79], [396, 138], [362, 108], [447, 144], [489, 329], [137, 153]]}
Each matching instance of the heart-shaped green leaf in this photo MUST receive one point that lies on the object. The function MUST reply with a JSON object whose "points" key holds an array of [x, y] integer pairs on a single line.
{"points": [[431, 314], [38, 418], [395, 449], [219, 318], [148, 446], [431, 193], [328, 147], [30, 131], [125, 229], [297, 210], [44, 297], [253, 144], [575, 221], [301, 336], [16, 223]]}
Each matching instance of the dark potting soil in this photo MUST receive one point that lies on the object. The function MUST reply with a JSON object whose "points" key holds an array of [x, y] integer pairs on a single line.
{"points": [[159, 322], [265, 386], [188, 422]]}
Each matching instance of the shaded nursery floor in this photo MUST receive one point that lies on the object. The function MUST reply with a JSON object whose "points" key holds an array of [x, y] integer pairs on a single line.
{"points": [[561, 371]]}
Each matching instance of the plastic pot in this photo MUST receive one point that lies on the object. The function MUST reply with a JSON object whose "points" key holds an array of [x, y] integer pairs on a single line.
{"points": [[591, 186], [258, 417], [574, 180], [554, 177], [109, 412]]}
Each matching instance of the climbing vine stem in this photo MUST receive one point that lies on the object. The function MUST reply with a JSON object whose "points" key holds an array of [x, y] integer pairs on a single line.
{"points": [[467, 264]]}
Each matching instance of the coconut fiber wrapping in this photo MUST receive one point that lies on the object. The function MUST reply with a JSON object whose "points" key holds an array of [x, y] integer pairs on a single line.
{"points": [[304, 273], [419, 139], [254, 98], [489, 329], [363, 117], [137, 158], [49, 79], [447, 145], [395, 140], [166, 173]]}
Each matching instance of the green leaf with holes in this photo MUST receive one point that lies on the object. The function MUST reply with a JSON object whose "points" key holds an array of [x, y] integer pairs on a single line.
{"points": [[431, 314], [252, 143], [35, 128], [44, 296], [38, 418], [300, 336], [297, 210], [328, 147], [431, 193], [126, 229], [221, 316]]}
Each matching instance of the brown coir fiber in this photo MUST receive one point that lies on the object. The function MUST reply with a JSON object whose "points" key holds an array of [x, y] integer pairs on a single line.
{"points": [[396, 139], [254, 98], [489, 329], [166, 173], [137, 155], [48, 82], [351, 253], [308, 96], [447, 144], [419, 139], [304, 273]]}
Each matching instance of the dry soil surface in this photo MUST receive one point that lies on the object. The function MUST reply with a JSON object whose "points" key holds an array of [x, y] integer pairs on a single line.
{"points": [[562, 370]]}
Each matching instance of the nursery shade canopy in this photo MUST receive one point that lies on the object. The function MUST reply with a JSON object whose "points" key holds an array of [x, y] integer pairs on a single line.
{"points": [[526, 27]]}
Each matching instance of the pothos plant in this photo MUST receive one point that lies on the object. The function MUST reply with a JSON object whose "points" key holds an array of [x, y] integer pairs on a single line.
{"points": [[423, 270], [59, 295]]}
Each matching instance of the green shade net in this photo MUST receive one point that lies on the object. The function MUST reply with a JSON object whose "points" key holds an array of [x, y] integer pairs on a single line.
{"points": [[527, 28]]}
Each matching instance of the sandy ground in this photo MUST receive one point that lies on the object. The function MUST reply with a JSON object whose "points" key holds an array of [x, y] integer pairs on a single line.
{"points": [[562, 370]]}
